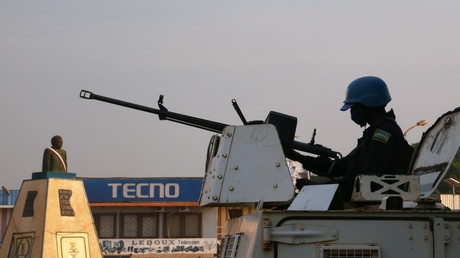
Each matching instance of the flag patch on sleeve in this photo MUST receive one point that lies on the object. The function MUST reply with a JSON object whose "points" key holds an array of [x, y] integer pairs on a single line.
{"points": [[381, 136]]}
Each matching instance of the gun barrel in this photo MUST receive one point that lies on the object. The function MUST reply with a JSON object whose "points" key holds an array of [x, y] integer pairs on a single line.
{"points": [[167, 115], [204, 124]]}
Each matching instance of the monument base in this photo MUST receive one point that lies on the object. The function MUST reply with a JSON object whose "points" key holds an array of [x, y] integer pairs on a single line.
{"points": [[51, 218], [51, 174]]}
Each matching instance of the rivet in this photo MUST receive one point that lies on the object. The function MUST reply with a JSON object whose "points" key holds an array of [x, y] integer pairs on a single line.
{"points": [[224, 156], [231, 188], [411, 226], [229, 134], [235, 167], [446, 226], [302, 228], [214, 198], [425, 238], [411, 238], [278, 164], [275, 185], [219, 176], [334, 235], [446, 238]]}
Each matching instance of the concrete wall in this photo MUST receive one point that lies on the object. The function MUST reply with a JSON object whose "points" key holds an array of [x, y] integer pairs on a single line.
{"points": [[209, 226]]}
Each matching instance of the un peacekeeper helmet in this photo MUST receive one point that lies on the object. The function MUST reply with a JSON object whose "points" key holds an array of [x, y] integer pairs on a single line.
{"points": [[369, 91]]}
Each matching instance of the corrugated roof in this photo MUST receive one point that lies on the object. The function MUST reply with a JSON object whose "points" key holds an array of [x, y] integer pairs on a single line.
{"points": [[8, 199]]}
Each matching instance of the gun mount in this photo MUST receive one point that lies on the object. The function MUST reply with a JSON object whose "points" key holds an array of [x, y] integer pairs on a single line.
{"points": [[284, 124]]}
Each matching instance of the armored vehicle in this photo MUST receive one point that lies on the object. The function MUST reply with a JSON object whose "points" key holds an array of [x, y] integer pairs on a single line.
{"points": [[388, 216]]}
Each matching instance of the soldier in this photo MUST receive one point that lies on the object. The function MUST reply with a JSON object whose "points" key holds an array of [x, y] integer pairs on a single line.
{"points": [[55, 158], [381, 150]]}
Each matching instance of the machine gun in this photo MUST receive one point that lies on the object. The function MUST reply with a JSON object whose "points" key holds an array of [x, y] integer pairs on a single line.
{"points": [[284, 124]]}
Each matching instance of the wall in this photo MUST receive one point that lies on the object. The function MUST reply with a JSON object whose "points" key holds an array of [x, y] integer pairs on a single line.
{"points": [[451, 201], [209, 226]]}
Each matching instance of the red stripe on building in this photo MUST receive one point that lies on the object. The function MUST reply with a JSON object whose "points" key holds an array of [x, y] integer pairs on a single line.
{"points": [[4, 221]]}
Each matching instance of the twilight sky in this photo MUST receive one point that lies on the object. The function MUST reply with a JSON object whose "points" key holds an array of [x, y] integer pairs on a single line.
{"points": [[294, 57]]}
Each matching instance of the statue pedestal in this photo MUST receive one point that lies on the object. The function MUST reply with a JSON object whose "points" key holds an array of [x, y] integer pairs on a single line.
{"points": [[51, 218]]}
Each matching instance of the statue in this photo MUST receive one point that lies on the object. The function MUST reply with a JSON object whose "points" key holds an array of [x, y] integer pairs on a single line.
{"points": [[55, 158]]}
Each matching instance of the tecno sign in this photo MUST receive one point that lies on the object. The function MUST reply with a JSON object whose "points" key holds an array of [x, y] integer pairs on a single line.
{"points": [[145, 190]]}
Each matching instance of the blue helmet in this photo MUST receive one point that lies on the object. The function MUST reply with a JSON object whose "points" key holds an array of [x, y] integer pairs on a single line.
{"points": [[369, 91]]}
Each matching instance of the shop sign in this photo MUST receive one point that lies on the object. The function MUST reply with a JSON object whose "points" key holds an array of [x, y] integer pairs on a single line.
{"points": [[158, 246], [142, 190]]}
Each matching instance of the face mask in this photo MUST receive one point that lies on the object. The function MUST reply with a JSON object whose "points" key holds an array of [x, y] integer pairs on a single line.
{"points": [[357, 115]]}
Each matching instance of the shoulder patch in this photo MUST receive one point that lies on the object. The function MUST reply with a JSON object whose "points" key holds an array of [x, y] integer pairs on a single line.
{"points": [[381, 136]]}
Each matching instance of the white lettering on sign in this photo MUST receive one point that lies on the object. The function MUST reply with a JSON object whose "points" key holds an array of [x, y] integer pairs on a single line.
{"points": [[175, 191], [146, 190], [161, 189], [114, 189], [139, 190], [127, 190]]}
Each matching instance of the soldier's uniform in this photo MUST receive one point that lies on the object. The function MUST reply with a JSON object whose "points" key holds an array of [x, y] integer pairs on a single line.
{"points": [[381, 150]]}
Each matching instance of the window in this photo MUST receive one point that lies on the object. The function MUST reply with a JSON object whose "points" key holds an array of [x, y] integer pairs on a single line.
{"points": [[139, 225], [105, 225], [235, 213], [183, 225]]}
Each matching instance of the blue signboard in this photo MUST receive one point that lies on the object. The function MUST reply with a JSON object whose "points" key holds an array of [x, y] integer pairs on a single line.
{"points": [[142, 190]]}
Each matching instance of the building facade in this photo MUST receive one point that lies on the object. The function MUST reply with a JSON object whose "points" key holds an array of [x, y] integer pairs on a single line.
{"points": [[151, 216], [7, 201]]}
